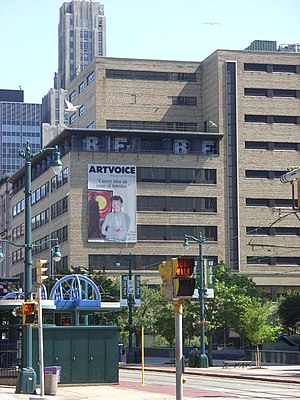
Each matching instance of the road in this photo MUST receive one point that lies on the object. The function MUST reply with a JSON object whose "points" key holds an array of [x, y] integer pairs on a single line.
{"points": [[204, 386]]}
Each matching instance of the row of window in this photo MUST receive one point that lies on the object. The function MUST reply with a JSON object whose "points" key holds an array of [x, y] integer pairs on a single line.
{"points": [[56, 182], [59, 208], [184, 101], [256, 67], [269, 202], [36, 196], [272, 92], [175, 232], [273, 119], [177, 175], [184, 204], [273, 260], [272, 146], [40, 219], [152, 125], [264, 174], [81, 86], [59, 180], [150, 75], [139, 262], [61, 234], [272, 231]]}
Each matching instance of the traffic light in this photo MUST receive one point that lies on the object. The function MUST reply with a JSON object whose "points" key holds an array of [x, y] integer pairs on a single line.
{"points": [[29, 312], [40, 269], [166, 288], [183, 281]]}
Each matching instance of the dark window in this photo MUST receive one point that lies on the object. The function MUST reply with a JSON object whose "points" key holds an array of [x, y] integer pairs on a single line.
{"points": [[184, 101], [257, 202], [151, 174], [182, 175], [251, 230], [256, 118], [285, 119], [256, 145], [255, 67], [150, 75], [151, 203], [151, 232], [284, 93], [284, 68], [255, 92]]}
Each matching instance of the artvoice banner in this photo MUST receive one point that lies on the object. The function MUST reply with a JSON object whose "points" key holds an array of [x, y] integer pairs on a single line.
{"points": [[112, 203]]}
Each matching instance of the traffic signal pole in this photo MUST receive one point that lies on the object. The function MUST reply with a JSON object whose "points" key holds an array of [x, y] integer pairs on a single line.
{"points": [[178, 306]]}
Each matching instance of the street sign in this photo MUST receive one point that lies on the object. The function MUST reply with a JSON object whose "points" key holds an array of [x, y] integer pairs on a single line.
{"points": [[124, 291], [137, 290]]}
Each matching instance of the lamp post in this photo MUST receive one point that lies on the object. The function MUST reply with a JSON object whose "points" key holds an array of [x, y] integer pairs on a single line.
{"points": [[26, 382], [130, 300], [201, 290]]}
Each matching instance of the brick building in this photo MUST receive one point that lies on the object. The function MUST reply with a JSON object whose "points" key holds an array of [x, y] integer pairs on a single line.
{"points": [[209, 141]]}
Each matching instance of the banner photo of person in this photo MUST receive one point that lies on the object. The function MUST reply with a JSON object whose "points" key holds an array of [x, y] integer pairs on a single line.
{"points": [[112, 203]]}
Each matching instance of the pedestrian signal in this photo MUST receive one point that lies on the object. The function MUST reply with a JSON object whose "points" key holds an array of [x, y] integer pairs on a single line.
{"points": [[166, 287], [184, 282], [29, 312]]}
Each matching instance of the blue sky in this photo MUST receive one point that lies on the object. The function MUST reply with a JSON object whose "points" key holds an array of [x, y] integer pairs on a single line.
{"points": [[154, 29]]}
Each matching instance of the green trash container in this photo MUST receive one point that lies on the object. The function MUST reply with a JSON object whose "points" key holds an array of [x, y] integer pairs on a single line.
{"points": [[193, 358], [26, 381]]}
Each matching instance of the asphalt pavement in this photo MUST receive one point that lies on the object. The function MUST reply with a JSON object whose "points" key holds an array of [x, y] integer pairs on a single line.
{"points": [[133, 390]]}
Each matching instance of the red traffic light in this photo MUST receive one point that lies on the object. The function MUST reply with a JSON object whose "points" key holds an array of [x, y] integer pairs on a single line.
{"points": [[184, 267]]}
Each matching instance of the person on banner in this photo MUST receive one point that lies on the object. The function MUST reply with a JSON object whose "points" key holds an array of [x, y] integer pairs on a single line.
{"points": [[94, 217], [116, 223]]}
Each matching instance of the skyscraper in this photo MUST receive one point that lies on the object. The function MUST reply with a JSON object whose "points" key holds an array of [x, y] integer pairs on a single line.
{"points": [[19, 122], [81, 37]]}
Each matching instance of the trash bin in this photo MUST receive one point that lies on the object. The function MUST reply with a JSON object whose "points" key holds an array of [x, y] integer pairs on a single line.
{"points": [[52, 378], [193, 358]]}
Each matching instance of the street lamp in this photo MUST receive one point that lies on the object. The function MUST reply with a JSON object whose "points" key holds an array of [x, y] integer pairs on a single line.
{"points": [[130, 299], [26, 382], [201, 290]]}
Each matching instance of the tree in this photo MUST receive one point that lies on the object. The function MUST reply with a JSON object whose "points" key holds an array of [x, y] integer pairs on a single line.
{"points": [[256, 321], [231, 293], [289, 313]]}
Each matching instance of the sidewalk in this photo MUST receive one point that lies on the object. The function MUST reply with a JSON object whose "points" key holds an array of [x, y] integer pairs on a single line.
{"points": [[133, 390]]}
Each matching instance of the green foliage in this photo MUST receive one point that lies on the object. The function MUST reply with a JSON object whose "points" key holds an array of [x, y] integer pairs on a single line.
{"points": [[289, 313], [256, 319], [258, 324]]}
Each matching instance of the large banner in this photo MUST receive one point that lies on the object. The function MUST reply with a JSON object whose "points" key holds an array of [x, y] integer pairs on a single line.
{"points": [[111, 203]]}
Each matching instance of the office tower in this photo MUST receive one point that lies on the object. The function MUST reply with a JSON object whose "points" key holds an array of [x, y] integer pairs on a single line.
{"points": [[54, 116], [19, 122], [81, 37]]}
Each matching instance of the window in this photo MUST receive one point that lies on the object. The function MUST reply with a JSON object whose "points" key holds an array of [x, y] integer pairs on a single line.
{"points": [[255, 92], [81, 87], [73, 118], [184, 101], [256, 118], [72, 96], [151, 203], [269, 202], [90, 78], [151, 174], [81, 110], [150, 75]]}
